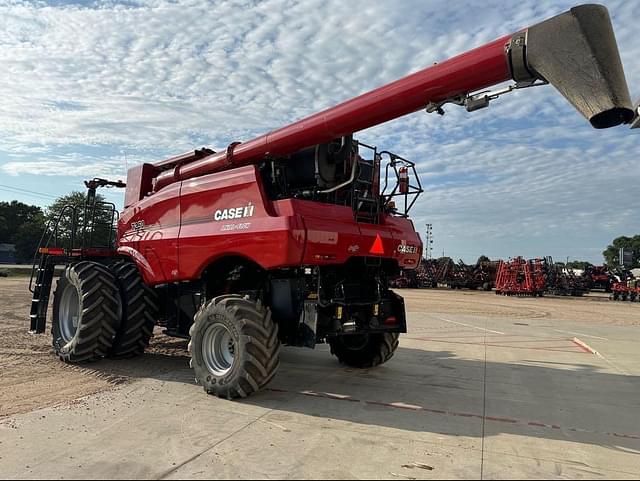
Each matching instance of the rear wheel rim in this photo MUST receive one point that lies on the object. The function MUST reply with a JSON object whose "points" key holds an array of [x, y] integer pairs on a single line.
{"points": [[69, 313], [218, 349]]}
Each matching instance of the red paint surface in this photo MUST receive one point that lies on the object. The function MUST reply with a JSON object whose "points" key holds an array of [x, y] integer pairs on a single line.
{"points": [[181, 237]]}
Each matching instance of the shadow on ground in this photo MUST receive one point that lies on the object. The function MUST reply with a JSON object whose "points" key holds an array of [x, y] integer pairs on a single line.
{"points": [[435, 391]]}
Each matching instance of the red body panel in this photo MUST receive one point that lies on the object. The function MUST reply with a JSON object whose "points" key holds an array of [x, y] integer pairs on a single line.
{"points": [[149, 233], [269, 240], [139, 183], [184, 232]]}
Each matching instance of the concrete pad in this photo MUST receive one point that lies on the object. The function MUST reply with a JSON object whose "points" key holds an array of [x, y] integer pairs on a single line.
{"points": [[323, 449], [466, 395]]}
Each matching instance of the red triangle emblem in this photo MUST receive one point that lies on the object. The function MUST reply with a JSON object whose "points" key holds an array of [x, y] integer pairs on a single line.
{"points": [[378, 247]]}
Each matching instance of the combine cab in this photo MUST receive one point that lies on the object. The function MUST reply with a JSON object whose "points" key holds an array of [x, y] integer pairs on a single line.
{"points": [[292, 237]]}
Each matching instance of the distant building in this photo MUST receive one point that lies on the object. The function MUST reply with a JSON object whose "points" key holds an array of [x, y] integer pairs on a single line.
{"points": [[7, 254]]}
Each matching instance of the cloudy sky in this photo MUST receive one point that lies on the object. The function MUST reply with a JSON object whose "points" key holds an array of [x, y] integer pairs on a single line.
{"points": [[88, 86]]}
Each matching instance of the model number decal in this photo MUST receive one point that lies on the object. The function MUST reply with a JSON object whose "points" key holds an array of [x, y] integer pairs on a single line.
{"points": [[234, 213], [407, 249], [234, 227]]}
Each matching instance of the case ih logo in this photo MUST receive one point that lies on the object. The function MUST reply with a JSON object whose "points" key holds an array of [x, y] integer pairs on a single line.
{"points": [[235, 213], [406, 249]]}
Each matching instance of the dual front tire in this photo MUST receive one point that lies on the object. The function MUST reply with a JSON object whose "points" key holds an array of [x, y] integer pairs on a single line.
{"points": [[101, 311], [86, 313]]}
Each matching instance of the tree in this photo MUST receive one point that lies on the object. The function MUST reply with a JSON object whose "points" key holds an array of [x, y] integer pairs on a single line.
{"points": [[483, 260], [98, 223], [612, 253], [14, 214], [27, 240], [581, 265]]}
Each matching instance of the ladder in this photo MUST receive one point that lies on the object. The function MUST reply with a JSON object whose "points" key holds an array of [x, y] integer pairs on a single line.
{"points": [[366, 202], [41, 293]]}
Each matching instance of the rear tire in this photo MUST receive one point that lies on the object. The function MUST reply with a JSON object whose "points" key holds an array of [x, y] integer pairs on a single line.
{"points": [[139, 312], [86, 313], [364, 351], [235, 350]]}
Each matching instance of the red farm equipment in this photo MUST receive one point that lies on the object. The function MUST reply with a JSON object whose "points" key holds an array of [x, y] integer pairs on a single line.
{"points": [[427, 274], [520, 277], [422, 277], [291, 238], [599, 278], [564, 281], [466, 276], [626, 291], [626, 287]]}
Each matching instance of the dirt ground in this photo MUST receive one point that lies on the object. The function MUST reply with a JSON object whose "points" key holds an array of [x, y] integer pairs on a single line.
{"points": [[32, 378]]}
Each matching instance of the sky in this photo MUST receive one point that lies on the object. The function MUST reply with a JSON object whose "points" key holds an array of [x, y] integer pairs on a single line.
{"points": [[89, 88]]}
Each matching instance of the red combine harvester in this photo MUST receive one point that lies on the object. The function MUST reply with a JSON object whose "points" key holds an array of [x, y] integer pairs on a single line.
{"points": [[290, 238]]}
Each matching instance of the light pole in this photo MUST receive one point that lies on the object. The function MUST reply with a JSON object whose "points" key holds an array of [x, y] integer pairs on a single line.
{"points": [[429, 241]]}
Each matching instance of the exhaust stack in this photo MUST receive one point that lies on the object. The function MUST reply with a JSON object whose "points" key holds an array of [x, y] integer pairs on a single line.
{"points": [[577, 53]]}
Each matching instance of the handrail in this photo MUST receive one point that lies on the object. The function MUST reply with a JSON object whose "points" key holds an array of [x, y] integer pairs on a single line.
{"points": [[52, 232]]}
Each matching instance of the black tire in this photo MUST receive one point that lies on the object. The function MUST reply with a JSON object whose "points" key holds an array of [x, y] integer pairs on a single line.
{"points": [[364, 351], [139, 312], [94, 295], [256, 347]]}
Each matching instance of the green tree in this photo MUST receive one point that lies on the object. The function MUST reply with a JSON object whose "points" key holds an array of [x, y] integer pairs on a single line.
{"points": [[96, 227], [27, 240], [14, 214], [612, 252], [483, 260], [582, 265]]}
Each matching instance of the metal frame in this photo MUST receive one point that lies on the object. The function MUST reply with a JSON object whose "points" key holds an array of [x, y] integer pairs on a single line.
{"points": [[411, 196]]}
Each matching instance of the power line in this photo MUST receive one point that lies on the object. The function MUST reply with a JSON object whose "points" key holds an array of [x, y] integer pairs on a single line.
{"points": [[19, 190]]}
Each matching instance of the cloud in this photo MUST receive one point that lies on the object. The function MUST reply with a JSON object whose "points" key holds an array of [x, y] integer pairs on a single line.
{"points": [[83, 81]]}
